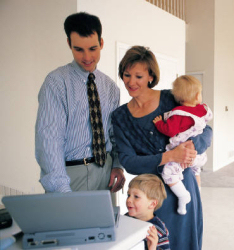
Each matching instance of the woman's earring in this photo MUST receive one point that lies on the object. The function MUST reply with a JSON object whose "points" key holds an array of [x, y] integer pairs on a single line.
{"points": [[149, 84]]}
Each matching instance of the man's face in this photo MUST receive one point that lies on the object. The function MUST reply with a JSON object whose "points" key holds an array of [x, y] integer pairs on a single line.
{"points": [[86, 50]]}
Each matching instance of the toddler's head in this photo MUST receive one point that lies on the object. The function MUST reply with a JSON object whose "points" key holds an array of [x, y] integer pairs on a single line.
{"points": [[146, 194], [187, 89]]}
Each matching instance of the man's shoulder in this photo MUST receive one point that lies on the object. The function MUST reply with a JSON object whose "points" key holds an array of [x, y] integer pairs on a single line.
{"points": [[106, 78], [61, 70], [56, 78], [107, 85]]}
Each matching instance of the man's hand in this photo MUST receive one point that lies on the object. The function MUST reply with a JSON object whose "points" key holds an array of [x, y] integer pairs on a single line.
{"points": [[152, 238], [157, 118], [116, 173]]}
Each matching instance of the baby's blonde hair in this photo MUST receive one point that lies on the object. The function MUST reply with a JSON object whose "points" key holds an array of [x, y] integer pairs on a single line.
{"points": [[185, 89], [151, 186]]}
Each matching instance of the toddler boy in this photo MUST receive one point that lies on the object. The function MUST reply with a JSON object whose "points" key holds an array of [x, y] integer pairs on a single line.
{"points": [[146, 194]]}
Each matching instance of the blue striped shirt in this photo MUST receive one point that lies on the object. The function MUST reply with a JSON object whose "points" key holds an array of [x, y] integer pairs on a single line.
{"points": [[63, 130]]}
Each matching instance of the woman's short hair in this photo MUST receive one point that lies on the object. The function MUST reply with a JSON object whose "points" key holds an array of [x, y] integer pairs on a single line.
{"points": [[185, 88], [140, 54], [152, 186]]}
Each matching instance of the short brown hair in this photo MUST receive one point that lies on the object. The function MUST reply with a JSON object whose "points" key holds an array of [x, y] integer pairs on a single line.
{"points": [[83, 24], [140, 54], [152, 186], [185, 88]]}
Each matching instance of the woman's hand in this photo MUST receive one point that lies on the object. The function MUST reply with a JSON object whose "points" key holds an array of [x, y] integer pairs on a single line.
{"points": [[189, 146], [152, 238], [183, 154]]}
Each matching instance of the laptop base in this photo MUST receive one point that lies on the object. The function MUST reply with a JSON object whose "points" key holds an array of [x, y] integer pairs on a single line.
{"points": [[68, 237]]}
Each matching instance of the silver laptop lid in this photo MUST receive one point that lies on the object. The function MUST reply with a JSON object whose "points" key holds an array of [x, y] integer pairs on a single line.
{"points": [[61, 211]]}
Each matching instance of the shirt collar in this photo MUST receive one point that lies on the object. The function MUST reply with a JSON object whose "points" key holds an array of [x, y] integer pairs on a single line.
{"points": [[81, 71]]}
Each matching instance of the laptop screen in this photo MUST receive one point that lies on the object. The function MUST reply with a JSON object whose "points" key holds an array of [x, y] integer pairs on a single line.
{"points": [[61, 211]]}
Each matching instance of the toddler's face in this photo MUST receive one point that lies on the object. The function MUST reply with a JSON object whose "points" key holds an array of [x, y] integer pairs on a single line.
{"points": [[138, 205]]}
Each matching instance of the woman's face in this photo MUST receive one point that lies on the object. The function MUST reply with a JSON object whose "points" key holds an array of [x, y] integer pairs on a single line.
{"points": [[136, 79]]}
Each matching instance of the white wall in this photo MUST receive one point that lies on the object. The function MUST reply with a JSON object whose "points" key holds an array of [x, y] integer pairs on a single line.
{"points": [[223, 84], [32, 44], [200, 52], [209, 49]]}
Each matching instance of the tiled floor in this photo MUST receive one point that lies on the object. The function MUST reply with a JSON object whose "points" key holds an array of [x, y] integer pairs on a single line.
{"points": [[223, 177], [218, 213]]}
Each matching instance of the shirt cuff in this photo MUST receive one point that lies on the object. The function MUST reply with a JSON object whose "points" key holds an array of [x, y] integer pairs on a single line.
{"points": [[64, 189], [116, 163]]}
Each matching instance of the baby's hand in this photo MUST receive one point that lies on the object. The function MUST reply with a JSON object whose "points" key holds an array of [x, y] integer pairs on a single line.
{"points": [[157, 119], [152, 238]]}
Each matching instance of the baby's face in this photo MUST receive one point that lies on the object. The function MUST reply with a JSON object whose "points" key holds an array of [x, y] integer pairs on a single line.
{"points": [[199, 98]]}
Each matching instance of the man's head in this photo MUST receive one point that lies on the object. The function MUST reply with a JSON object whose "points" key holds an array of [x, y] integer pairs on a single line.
{"points": [[83, 24], [84, 39]]}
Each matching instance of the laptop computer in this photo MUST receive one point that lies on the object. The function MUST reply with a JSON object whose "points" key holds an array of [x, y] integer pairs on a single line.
{"points": [[59, 219]]}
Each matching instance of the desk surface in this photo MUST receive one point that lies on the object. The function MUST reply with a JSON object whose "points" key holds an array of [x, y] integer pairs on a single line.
{"points": [[129, 233]]}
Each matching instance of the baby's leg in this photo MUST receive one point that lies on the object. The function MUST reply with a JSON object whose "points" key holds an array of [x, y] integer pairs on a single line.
{"points": [[197, 171], [183, 195], [172, 175], [200, 160]]}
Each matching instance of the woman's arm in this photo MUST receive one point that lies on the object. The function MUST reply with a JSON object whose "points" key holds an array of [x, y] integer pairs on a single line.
{"points": [[139, 164], [183, 154], [133, 163], [203, 141]]}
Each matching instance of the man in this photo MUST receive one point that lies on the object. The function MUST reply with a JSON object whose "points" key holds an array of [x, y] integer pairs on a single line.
{"points": [[64, 148]]}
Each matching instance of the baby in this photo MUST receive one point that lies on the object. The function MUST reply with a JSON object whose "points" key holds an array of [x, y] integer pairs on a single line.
{"points": [[146, 194], [183, 122]]}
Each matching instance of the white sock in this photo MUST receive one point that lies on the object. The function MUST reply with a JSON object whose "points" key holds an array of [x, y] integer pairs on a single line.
{"points": [[183, 195]]}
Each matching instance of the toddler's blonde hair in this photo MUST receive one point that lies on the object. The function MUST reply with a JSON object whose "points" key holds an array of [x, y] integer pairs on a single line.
{"points": [[185, 89]]}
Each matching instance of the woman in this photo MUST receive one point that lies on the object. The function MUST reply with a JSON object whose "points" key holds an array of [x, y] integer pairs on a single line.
{"points": [[141, 147]]}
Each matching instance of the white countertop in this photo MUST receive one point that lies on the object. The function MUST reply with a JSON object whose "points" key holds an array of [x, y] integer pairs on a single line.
{"points": [[129, 235]]}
